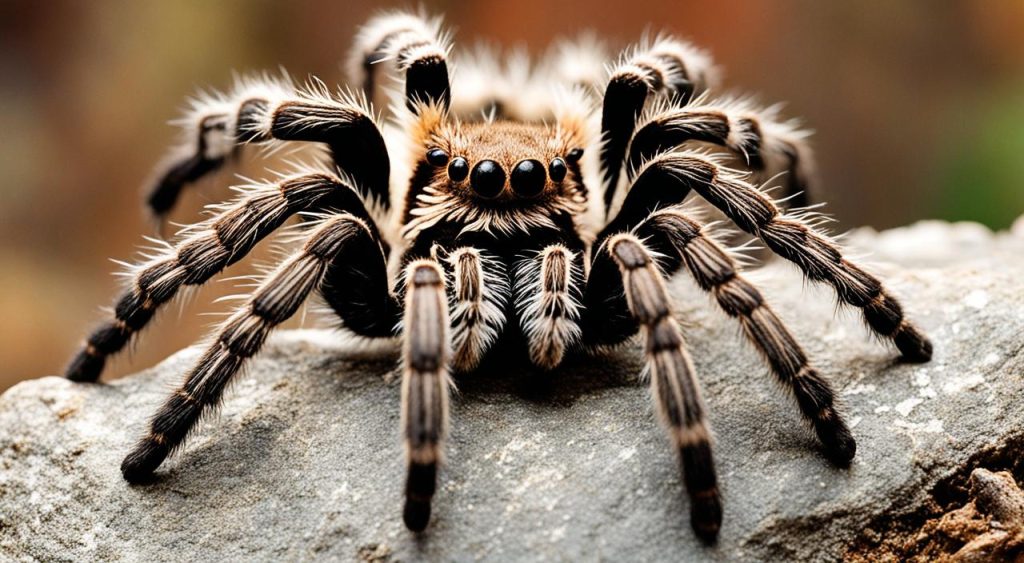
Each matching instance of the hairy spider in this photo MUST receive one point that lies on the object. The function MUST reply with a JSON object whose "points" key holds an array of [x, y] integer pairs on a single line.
{"points": [[539, 203]]}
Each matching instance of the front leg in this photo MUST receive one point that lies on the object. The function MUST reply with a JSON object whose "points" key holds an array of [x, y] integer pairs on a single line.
{"points": [[673, 385], [425, 384]]}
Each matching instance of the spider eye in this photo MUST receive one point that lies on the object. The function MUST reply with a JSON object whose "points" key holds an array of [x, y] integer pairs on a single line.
{"points": [[574, 155], [557, 170], [488, 179], [458, 169], [528, 178], [437, 157]]}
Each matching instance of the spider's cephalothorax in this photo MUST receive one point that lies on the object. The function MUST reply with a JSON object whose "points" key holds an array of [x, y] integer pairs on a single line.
{"points": [[542, 201]]}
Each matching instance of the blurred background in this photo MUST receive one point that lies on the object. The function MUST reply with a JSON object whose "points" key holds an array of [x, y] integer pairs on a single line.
{"points": [[918, 108]]}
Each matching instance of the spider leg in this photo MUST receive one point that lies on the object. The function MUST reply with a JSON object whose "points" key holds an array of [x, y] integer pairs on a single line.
{"points": [[263, 110], [548, 288], [478, 293], [208, 248], [755, 135], [414, 45], [666, 68], [424, 386], [680, 240], [673, 383], [667, 179], [241, 337]]}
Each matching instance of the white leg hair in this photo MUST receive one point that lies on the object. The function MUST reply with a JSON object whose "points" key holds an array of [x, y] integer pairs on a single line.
{"points": [[479, 292], [548, 292]]}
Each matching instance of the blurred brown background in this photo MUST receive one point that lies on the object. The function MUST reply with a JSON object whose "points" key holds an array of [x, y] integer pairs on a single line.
{"points": [[918, 108]]}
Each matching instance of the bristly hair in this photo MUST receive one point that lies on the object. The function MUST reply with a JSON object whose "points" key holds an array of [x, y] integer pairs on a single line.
{"points": [[545, 200], [442, 201]]}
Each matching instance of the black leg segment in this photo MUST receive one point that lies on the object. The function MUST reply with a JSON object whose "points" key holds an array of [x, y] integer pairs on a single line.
{"points": [[260, 111], [668, 69], [416, 46]]}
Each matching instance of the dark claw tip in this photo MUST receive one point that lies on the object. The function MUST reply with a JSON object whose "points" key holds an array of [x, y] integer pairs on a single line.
{"points": [[85, 368], [139, 466], [914, 346], [706, 518], [842, 449], [416, 515], [135, 474]]}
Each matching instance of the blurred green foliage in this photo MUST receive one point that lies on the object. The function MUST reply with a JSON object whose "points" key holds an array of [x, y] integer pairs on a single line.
{"points": [[982, 173]]}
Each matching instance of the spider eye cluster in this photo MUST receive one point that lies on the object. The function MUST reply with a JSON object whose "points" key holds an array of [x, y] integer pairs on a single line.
{"points": [[557, 169], [528, 178], [458, 169], [487, 179]]}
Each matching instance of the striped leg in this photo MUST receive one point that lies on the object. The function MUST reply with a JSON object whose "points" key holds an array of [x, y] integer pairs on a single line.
{"points": [[548, 290], [209, 247], [262, 110], [424, 386], [679, 238], [673, 385], [667, 179], [241, 337], [416, 45], [478, 293], [664, 69], [756, 135]]}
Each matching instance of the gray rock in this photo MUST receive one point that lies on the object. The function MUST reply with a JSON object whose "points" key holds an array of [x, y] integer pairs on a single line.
{"points": [[304, 460]]}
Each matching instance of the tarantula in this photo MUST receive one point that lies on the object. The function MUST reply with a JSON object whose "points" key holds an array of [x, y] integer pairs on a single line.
{"points": [[538, 204]]}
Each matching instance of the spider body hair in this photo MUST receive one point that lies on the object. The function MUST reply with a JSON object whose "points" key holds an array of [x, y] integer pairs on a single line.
{"points": [[532, 209]]}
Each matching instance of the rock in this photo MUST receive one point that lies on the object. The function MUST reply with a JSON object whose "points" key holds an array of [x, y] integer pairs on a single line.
{"points": [[989, 527], [304, 459]]}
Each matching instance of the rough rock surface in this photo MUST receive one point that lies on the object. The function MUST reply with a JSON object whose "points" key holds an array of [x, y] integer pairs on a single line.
{"points": [[989, 527], [303, 460]]}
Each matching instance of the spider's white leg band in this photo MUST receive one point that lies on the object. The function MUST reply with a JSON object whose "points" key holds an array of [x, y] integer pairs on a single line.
{"points": [[756, 135], [408, 43], [668, 178], [207, 248], [478, 294], [238, 339], [673, 384], [665, 68], [548, 289], [263, 110], [681, 239], [425, 385]]}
